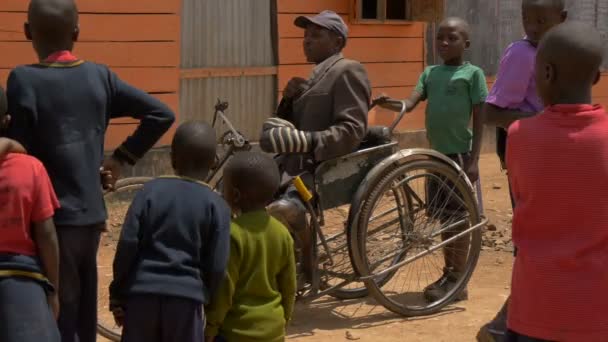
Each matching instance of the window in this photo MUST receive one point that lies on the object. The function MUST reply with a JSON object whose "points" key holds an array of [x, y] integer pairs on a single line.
{"points": [[382, 10]]}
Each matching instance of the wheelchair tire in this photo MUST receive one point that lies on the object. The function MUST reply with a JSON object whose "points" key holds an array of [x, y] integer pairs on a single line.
{"points": [[414, 236]]}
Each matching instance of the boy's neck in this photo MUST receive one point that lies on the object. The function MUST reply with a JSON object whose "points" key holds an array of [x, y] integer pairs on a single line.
{"points": [[458, 61], [44, 52], [199, 175], [581, 95], [251, 209]]}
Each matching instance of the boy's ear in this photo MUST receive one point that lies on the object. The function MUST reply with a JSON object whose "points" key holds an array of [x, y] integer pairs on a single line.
{"points": [[564, 15], [598, 76], [27, 30], [76, 33], [467, 44], [4, 121], [173, 160], [549, 72]]}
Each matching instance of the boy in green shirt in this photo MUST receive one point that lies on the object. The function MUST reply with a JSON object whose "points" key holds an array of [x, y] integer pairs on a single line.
{"points": [[257, 297], [455, 91]]}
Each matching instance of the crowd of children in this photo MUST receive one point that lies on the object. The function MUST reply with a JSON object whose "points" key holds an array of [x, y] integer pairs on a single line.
{"points": [[184, 271]]}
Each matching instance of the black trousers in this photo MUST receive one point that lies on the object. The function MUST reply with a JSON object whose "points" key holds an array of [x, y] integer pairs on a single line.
{"points": [[151, 318], [25, 315], [78, 282]]}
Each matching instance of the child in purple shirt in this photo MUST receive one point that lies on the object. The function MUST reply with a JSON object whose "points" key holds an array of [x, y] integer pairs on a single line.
{"points": [[514, 97]]}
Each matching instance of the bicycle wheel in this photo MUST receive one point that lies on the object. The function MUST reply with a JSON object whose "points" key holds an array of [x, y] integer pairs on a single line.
{"points": [[117, 204], [388, 233]]}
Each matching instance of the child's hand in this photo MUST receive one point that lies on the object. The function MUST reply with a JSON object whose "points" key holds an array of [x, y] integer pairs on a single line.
{"points": [[107, 180], [54, 304], [119, 315], [471, 168], [380, 100], [110, 173]]}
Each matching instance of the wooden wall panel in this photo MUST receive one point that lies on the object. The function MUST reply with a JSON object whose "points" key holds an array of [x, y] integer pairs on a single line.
{"points": [[312, 6], [117, 134], [170, 99], [413, 30], [138, 39], [104, 27], [361, 49], [106, 6], [114, 54], [121, 128], [380, 74], [153, 80]]}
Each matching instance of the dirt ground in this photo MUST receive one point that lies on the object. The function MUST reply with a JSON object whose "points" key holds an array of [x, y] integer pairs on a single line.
{"points": [[329, 319]]}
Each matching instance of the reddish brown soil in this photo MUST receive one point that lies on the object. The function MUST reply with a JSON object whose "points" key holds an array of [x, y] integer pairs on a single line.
{"points": [[328, 319]]}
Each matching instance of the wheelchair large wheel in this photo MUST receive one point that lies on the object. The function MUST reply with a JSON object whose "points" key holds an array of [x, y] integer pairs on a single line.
{"points": [[408, 242], [117, 204], [358, 289], [340, 269]]}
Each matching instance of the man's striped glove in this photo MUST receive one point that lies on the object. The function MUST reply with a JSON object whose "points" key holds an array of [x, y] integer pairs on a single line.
{"points": [[281, 136]]}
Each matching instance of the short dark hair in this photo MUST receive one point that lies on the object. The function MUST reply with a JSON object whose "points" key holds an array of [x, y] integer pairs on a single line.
{"points": [[54, 20], [557, 4], [3, 103], [462, 25], [194, 146], [576, 50], [254, 175]]}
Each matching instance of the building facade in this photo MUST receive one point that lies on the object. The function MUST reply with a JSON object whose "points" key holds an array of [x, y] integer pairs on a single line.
{"points": [[189, 53]]}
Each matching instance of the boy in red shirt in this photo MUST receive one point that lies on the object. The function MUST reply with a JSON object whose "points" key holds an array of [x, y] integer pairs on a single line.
{"points": [[29, 253], [558, 168]]}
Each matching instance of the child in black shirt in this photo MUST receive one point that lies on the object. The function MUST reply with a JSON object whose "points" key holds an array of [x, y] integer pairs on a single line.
{"points": [[60, 109], [173, 247]]}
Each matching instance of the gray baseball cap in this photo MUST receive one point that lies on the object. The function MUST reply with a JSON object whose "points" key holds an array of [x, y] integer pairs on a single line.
{"points": [[327, 19]]}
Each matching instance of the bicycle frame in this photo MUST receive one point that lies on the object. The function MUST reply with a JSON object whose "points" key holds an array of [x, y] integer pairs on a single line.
{"points": [[235, 140]]}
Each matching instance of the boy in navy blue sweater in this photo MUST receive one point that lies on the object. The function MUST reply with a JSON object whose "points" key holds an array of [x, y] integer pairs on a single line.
{"points": [[173, 247], [60, 111]]}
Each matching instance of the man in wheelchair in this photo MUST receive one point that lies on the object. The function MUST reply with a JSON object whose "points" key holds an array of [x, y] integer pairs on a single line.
{"points": [[319, 118]]}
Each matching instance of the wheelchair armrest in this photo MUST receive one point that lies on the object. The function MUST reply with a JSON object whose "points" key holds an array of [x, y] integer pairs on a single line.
{"points": [[376, 136]]}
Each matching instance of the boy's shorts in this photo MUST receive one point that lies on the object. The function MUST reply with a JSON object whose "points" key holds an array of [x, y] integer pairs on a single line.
{"points": [[153, 318], [25, 312], [443, 200]]}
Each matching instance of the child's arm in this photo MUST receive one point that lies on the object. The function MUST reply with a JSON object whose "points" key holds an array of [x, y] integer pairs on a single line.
{"points": [[45, 236], [513, 79], [215, 252], [155, 119], [411, 103], [287, 282], [10, 146], [478, 90], [221, 302], [127, 249], [472, 168], [43, 230], [21, 105], [502, 117], [418, 94]]}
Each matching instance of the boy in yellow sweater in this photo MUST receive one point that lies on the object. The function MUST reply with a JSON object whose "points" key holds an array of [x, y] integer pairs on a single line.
{"points": [[257, 297]]}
